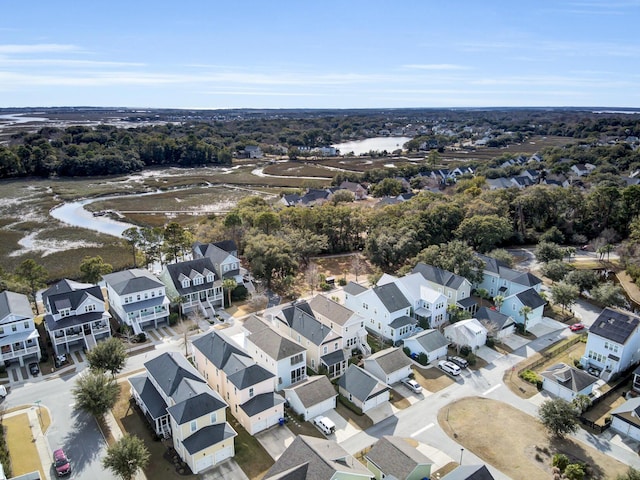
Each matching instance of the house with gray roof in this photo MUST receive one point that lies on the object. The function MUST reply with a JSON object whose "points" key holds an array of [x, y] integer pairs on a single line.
{"points": [[498, 324], [226, 265], [386, 311], [18, 333], [456, 288], [613, 342], [430, 342], [389, 365], [514, 304], [310, 458], [469, 472], [567, 382], [363, 389], [625, 419], [194, 282], [178, 403], [311, 397], [394, 458], [137, 298], [248, 387], [75, 316]]}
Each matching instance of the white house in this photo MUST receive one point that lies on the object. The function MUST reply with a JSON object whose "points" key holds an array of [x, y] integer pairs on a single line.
{"points": [[311, 397], [18, 333], [389, 365], [363, 389], [567, 382], [137, 298], [613, 342], [430, 342], [625, 419], [456, 288], [468, 332]]}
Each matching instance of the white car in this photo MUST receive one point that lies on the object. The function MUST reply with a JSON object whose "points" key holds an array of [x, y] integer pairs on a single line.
{"points": [[325, 425], [412, 385], [449, 367]]}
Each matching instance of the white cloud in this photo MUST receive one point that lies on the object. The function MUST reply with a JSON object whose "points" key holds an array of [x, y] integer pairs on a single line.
{"points": [[437, 66], [37, 48]]}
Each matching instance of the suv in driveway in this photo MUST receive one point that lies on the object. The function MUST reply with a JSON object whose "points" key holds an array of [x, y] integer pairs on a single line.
{"points": [[449, 367], [34, 368], [461, 362]]}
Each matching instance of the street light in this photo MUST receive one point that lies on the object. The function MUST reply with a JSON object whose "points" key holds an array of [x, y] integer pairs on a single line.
{"points": [[461, 452], [37, 402]]}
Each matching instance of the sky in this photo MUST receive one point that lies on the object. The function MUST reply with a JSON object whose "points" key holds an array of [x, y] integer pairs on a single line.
{"points": [[214, 54]]}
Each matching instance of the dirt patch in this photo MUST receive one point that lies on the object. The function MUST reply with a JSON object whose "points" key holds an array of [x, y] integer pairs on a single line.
{"points": [[398, 401], [352, 267], [490, 428], [431, 378], [361, 421]]}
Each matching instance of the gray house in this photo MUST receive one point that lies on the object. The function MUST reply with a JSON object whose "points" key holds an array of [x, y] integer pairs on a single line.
{"points": [[393, 458], [363, 389]]}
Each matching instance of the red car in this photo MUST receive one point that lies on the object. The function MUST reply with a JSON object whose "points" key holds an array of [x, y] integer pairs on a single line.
{"points": [[61, 462], [576, 327]]}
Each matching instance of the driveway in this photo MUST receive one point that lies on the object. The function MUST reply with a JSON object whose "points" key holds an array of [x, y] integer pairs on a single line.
{"points": [[344, 429], [489, 355], [275, 440], [514, 342], [546, 326]]}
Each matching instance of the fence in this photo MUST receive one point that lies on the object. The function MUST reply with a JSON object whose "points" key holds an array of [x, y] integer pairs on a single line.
{"points": [[550, 353]]}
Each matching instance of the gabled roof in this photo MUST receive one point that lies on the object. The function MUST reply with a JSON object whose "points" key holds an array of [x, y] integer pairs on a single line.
{"points": [[469, 472], [260, 403], [390, 360], [395, 457], [531, 298], [169, 370], [276, 346], [70, 295], [132, 281], [330, 309], [614, 325], [629, 411], [361, 384], [402, 321], [503, 270], [430, 340], [301, 320], [208, 436], [353, 288], [391, 297], [249, 376], [65, 286], [17, 304], [215, 253], [218, 348], [500, 320], [153, 401], [314, 390], [187, 269], [227, 245], [439, 276], [196, 407], [311, 458], [569, 377]]}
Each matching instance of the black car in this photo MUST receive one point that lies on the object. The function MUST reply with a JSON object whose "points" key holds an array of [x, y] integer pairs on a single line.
{"points": [[34, 369]]}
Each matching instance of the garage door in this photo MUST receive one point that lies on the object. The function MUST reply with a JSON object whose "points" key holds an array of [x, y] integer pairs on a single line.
{"points": [[259, 426], [204, 463], [224, 454]]}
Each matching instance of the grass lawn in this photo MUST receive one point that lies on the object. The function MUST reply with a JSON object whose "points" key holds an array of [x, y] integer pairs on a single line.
{"points": [[22, 449], [250, 455], [490, 428], [433, 379]]}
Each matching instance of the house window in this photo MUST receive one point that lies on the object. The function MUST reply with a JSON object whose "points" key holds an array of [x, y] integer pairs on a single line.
{"points": [[193, 426], [146, 295], [210, 278], [335, 346], [324, 349], [251, 392], [138, 297], [127, 299], [65, 312], [26, 324], [90, 308], [1, 330], [185, 283], [14, 328], [198, 281], [449, 294], [226, 268]]}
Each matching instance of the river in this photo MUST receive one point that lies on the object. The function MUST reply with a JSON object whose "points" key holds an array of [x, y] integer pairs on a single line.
{"points": [[376, 144]]}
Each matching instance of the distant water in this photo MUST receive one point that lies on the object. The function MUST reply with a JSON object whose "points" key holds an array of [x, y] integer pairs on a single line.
{"points": [[377, 144]]}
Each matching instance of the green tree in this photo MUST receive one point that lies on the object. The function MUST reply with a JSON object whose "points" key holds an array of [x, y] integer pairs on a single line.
{"points": [[134, 238], [484, 232], [95, 392], [558, 416], [126, 457], [456, 257], [581, 402], [583, 279], [34, 275], [547, 251], [502, 255], [267, 221], [93, 268], [632, 474], [108, 356], [229, 285], [343, 196], [609, 295], [269, 257], [388, 187], [456, 313], [151, 244], [176, 239], [574, 471], [498, 300], [555, 270], [564, 294], [305, 244]]}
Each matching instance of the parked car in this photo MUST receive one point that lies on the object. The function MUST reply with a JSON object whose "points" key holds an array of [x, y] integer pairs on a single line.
{"points": [[61, 462], [594, 371], [461, 362], [412, 385], [449, 367], [576, 327], [3, 391], [34, 368], [325, 425]]}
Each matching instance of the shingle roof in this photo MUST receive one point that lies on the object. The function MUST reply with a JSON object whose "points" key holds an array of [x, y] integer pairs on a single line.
{"points": [[215, 253], [391, 297], [187, 269], [430, 340], [16, 304], [330, 309], [249, 376], [207, 436], [469, 472], [314, 390], [217, 348], [150, 397], [531, 298], [275, 345], [504, 271], [394, 456], [132, 281], [629, 411], [569, 377], [196, 407], [299, 317], [614, 325], [439, 276], [71, 298], [169, 370], [390, 360], [353, 288], [360, 383], [402, 322], [260, 403], [495, 317]]}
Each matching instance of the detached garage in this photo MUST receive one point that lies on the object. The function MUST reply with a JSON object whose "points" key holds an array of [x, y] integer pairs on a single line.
{"points": [[363, 389], [430, 342], [313, 397], [625, 419], [567, 382]]}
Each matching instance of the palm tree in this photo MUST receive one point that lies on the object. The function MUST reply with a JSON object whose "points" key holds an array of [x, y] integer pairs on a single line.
{"points": [[525, 311], [229, 284], [498, 300]]}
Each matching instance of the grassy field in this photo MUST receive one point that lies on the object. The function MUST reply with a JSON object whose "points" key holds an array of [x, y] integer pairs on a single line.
{"points": [[20, 442]]}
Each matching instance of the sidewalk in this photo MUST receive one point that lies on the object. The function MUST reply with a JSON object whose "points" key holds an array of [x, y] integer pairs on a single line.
{"points": [[39, 438]]}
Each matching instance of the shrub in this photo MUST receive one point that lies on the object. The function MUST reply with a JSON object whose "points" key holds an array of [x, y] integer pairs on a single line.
{"points": [[342, 281], [491, 342], [325, 287], [423, 359], [560, 460], [142, 337], [472, 359], [173, 318], [465, 350], [239, 293], [406, 351], [530, 376], [574, 471]]}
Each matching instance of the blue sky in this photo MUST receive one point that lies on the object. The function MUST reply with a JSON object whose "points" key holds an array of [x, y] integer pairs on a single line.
{"points": [[320, 54]]}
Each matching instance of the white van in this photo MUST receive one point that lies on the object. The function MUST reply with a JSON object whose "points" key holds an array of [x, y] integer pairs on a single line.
{"points": [[325, 425], [449, 367]]}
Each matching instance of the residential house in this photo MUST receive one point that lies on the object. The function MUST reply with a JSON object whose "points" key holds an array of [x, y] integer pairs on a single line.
{"points": [[359, 192], [76, 316], [567, 382], [228, 246], [625, 419], [499, 183], [245, 385], [324, 346], [317, 459], [636, 380], [428, 306], [225, 264], [343, 321], [582, 169], [280, 355], [395, 458], [385, 309], [514, 307], [468, 332], [252, 151], [469, 472], [498, 324], [18, 333], [456, 288], [613, 342], [290, 200], [194, 282], [311, 397], [177, 401], [363, 389], [389, 365], [430, 342], [137, 298]]}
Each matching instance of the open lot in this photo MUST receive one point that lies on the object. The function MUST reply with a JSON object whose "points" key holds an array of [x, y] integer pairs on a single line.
{"points": [[494, 432]]}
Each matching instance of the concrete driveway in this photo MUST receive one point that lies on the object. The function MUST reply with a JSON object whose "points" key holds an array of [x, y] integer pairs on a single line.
{"points": [[275, 440], [344, 429], [489, 355], [546, 326], [514, 341], [227, 470]]}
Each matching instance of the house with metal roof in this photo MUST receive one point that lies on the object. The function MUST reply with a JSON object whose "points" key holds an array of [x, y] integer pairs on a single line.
{"points": [[18, 333], [310, 458], [394, 458], [76, 316], [248, 387], [178, 403], [195, 284], [613, 342], [567, 382], [389, 365], [363, 389], [430, 342], [137, 298], [311, 397]]}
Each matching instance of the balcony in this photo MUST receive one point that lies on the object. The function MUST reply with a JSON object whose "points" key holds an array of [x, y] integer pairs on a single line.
{"points": [[20, 352]]}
